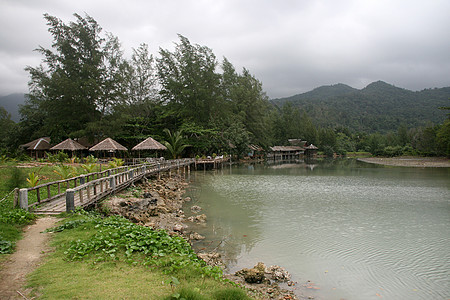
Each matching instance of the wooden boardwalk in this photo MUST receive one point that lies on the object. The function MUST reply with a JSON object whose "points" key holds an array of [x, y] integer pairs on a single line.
{"points": [[80, 192]]}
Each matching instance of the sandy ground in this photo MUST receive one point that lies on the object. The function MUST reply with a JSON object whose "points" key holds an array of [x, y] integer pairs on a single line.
{"points": [[29, 252], [406, 161]]}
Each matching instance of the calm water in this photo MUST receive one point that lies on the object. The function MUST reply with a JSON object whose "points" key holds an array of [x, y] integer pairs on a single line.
{"points": [[355, 230]]}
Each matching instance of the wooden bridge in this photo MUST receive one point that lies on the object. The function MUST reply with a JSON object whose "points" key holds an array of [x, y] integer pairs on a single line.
{"points": [[64, 195]]}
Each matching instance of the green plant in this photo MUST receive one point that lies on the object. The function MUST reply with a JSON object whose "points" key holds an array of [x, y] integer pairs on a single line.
{"points": [[17, 216], [175, 144], [187, 294], [115, 163], [90, 159], [33, 179], [89, 167], [6, 246], [231, 294], [58, 157], [64, 171], [17, 179]]}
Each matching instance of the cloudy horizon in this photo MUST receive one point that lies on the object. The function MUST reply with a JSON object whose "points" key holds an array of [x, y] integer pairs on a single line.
{"points": [[291, 46]]}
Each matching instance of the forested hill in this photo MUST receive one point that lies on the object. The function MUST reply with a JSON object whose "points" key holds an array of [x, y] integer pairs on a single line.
{"points": [[379, 107]]}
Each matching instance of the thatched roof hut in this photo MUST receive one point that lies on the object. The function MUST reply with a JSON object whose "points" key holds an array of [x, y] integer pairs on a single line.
{"points": [[68, 145], [38, 144], [149, 144], [37, 147], [109, 145]]}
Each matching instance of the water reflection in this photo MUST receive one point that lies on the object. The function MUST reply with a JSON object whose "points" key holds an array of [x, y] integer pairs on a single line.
{"points": [[356, 230]]}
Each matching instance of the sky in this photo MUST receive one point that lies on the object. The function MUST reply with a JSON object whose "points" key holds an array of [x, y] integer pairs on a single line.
{"points": [[291, 46]]}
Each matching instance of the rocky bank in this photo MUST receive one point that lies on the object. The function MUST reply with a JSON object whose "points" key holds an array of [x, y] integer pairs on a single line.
{"points": [[158, 203]]}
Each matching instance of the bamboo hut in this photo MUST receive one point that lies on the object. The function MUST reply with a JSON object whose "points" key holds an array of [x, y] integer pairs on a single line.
{"points": [[68, 145], [108, 145], [149, 144], [37, 147]]}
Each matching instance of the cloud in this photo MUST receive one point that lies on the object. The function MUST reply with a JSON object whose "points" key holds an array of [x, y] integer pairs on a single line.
{"points": [[291, 46]]}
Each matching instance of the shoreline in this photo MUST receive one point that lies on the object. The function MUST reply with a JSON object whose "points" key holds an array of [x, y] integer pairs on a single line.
{"points": [[409, 161], [158, 203]]}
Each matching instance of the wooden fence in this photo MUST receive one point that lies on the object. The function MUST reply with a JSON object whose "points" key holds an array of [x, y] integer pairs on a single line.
{"points": [[86, 189]]}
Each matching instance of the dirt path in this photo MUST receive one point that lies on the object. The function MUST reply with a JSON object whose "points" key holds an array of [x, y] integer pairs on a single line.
{"points": [[29, 251]]}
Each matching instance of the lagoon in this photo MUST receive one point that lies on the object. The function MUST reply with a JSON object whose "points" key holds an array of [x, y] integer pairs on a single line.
{"points": [[342, 228]]}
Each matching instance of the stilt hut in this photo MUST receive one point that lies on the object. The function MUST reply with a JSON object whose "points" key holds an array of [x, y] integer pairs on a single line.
{"points": [[37, 147], [311, 151], [149, 144], [108, 145], [68, 145]]}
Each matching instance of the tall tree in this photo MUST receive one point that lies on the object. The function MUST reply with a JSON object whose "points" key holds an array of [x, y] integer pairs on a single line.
{"points": [[77, 79], [189, 82]]}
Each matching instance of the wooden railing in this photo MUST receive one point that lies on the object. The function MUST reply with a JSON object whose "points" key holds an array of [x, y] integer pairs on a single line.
{"points": [[94, 186]]}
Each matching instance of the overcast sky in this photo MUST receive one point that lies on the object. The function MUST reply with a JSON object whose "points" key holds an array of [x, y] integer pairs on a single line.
{"points": [[291, 46]]}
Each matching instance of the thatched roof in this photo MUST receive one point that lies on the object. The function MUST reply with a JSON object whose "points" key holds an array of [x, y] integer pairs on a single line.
{"points": [[38, 144], [108, 144], [69, 145], [286, 148], [149, 144], [311, 147]]}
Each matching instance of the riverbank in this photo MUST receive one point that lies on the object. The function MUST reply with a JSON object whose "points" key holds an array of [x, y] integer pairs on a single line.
{"points": [[158, 204], [409, 161]]}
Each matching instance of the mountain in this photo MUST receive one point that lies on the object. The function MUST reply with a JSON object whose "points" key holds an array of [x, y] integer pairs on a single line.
{"points": [[11, 104], [379, 107]]}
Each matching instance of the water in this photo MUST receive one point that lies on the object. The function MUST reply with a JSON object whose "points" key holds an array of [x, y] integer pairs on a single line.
{"points": [[354, 230]]}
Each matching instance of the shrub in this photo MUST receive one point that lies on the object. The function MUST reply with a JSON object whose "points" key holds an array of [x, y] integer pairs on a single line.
{"points": [[17, 179], [230, 294]]}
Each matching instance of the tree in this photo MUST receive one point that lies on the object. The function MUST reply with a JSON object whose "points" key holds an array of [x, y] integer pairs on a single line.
{"points": [[175, 144], [78, 81], [7, 127], [189, 82]]}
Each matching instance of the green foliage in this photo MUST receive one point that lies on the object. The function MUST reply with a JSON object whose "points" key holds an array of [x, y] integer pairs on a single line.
{"points": [[89, 167], [64, 171], [17, 216], [175, 144], [90, 159], [59, 157], [6, 246], [16, 180], [118, 239], [379, 107], [33, 179], [187, 294], [231, 294], [115, 163]]}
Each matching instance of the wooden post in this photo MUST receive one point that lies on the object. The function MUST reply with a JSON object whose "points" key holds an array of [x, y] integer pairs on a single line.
{"points": [[159, 171], [82, 179], [16, 197], [70, 200], [112, 183], [23, 199]]}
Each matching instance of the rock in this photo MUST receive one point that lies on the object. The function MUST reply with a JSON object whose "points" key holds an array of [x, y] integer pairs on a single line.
{"points": [[178, 228], [187, 199], [196, 236], [196, 209], [198, 219], [212, 259], [278, 273], [253, 275]]}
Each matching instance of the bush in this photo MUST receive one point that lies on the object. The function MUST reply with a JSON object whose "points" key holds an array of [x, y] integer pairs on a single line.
{"points": [[17, 216], [17, 179], [231, 294]]}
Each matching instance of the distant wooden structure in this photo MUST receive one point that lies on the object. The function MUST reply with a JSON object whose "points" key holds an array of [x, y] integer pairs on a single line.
{"points": [[149, 144], [108, 145], [286, 152], [37, 147], [311, 151], [211, 163], [68, 145]]}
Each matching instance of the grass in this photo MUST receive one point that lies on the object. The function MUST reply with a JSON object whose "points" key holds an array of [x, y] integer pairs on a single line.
{"points": [[158, 267]]}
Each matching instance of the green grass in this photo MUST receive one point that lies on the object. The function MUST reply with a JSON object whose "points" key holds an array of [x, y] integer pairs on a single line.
{"points": [[145, 264]]}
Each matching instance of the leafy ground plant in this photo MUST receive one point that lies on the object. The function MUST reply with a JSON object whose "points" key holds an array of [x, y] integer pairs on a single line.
{"points": [[140, 263]]}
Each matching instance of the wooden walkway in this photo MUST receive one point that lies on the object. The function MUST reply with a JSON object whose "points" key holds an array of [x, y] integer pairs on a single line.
{"points": [[80, 192]]}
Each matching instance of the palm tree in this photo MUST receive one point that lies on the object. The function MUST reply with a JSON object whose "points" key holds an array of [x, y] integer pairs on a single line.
{"points": [[175, 144]]}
